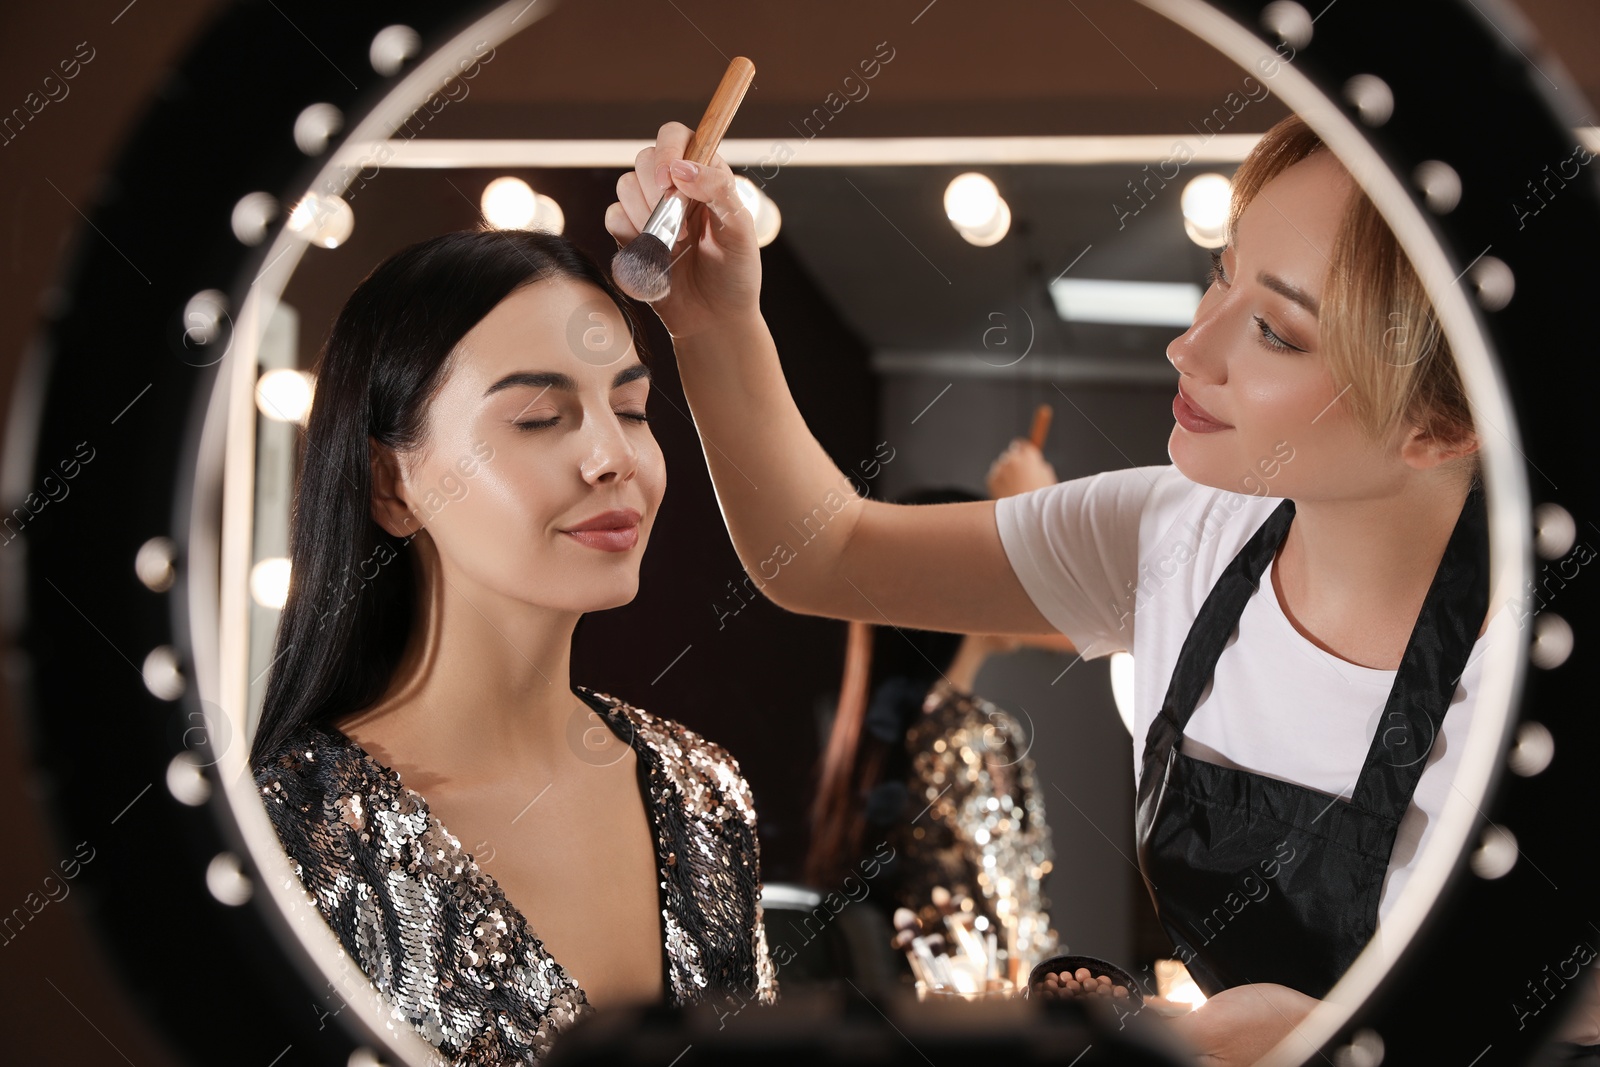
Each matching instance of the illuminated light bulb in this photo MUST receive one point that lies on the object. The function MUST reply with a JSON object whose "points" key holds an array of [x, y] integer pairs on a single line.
{"points": [[322, 220], [992, 232], [285, 395], [226, 880], [547, 215], [269, 582], [509, 203], [162, 674], [768, 219], [976, 209], [186, 781], [155, 564], [1205, 209], [315, 126], [971, 201], [252, 215], [205, 316], [391, 47]]}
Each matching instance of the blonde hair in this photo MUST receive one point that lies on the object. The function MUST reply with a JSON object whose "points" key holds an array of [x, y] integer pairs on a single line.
{"points": [[1377, 329]]}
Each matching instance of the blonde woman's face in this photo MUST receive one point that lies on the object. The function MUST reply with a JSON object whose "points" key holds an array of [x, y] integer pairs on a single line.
{"points": [[1278, 425], [539, 427]]}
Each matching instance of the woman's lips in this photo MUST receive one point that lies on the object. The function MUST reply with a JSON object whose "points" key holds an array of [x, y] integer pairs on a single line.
{"points": [[616, 530], [1192, 418], [619, 539]]}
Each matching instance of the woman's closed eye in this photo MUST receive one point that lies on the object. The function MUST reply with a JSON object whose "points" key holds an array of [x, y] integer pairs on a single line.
{"points": [[539, 424]]}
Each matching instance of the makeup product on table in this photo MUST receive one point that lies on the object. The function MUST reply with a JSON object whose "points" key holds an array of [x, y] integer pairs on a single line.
{"points": [[643, 269], [1072, 977]]}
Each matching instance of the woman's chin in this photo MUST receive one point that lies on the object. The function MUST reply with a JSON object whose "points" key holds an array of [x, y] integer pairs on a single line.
{"points": [[1199, 470], [1181, 451], [615, 592]]}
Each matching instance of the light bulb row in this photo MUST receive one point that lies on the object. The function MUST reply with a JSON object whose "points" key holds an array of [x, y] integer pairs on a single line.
{"points": [[512, 204], [979, 213]]}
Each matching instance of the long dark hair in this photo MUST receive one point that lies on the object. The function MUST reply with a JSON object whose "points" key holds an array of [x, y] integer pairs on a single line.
{"points": [[352, 594], [887, 672]]}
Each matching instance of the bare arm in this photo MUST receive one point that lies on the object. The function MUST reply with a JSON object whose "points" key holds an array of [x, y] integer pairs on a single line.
{"points": [[810, 542]]}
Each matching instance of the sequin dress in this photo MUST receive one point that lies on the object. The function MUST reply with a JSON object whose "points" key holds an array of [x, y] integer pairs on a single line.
{"points": [[983, 833], [448, 952]]}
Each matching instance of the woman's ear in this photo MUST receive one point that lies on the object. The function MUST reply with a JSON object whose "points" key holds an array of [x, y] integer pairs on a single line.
{"points": [[389, 507], [1425, 449]]}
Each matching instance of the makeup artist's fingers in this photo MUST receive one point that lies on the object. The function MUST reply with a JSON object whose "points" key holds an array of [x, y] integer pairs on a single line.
{"points": [[650, 164], [713, 186], [633, 199], [643, 178], [619, 225]]}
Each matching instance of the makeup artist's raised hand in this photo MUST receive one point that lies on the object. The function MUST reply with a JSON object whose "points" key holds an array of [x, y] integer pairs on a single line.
{"points": [[1019, 469], [716, 268]]}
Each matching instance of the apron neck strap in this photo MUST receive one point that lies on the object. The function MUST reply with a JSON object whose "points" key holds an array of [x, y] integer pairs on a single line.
{"points": [[1434, 660], [1218, 618]]}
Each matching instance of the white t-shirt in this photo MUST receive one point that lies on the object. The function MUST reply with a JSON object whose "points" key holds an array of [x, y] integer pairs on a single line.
{"points": [[1146, 543]]}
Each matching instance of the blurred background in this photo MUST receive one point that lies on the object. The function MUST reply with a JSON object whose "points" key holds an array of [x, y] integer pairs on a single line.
{"points": [[903, 334]]}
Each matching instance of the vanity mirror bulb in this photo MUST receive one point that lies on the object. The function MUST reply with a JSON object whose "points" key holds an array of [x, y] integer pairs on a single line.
{"points": [[155, 564], [227, 880], [269, 582], [284, 395], [1204, 203], [322, 220], [511, 204], [971, 200], [547, 215], [769, 220], [508, 203], [163, 676], [976, 209]]}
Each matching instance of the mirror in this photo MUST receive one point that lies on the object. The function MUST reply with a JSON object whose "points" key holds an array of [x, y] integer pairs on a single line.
{"points": [[916, 350], [890, 349]]}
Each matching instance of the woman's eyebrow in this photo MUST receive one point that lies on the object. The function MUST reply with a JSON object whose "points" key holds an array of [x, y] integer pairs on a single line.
{"points": [[557, 380], [1283, 288]]}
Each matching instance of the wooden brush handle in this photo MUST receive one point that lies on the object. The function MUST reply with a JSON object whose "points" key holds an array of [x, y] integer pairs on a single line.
{"points": [[1041, 425], [719, 115]]}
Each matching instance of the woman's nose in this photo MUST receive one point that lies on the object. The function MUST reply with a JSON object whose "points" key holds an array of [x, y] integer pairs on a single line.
{"points": [[612, 456], [1195, 350]]}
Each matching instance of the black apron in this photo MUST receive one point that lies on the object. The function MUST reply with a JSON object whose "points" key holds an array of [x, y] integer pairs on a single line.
{"points": [[1260, 880]]}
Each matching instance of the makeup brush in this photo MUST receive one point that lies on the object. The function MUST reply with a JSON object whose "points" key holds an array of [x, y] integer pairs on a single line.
{"points": [[643, 269], [1041, 425], [923, 961]]}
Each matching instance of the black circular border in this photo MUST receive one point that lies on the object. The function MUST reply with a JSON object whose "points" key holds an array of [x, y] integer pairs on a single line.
{"points": [[110, 369]]}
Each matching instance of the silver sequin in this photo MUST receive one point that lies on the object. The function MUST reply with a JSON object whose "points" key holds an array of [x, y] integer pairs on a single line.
{"points": [[987, 837]]}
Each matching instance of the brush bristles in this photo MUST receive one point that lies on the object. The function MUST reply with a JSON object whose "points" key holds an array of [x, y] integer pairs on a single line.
{"points": [[643, 269]]}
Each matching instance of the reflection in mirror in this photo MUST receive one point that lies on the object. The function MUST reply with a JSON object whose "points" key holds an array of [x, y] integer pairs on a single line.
{"points": [[942, 721]]}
